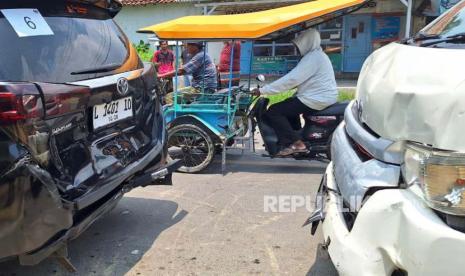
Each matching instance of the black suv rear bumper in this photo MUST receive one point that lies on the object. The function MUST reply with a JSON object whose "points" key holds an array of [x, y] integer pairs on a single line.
{"points": [[114, 181], [35, 221], [160, 176]]}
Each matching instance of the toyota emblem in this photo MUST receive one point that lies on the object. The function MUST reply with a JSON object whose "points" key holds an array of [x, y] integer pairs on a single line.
{"points": [[122, 85]]}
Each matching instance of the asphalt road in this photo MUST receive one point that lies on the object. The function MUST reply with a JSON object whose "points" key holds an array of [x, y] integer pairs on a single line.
{"points": [[205, 224]]}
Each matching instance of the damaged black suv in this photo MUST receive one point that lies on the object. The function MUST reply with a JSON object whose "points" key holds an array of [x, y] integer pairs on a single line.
{"points": [[80, 122]]}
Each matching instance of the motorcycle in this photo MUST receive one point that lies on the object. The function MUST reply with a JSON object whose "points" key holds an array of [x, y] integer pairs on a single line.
{"points": [[316, 132]]}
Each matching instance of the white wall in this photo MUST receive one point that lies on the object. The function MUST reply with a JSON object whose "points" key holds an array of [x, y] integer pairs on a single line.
{"points": [[214, 50], [132, 18]]}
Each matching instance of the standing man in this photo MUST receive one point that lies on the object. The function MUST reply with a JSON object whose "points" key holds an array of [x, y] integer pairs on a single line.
{"points": [[164, 62], [225, 64]]}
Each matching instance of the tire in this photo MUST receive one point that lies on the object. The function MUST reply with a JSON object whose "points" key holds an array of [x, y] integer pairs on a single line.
{"points": [[193, 145]]}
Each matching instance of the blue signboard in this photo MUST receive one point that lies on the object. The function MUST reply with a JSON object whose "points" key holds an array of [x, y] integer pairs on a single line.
{"points": [[385, 27]]}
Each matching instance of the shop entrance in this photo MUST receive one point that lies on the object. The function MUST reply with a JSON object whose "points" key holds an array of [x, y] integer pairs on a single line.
{"points": [[357, 41]]}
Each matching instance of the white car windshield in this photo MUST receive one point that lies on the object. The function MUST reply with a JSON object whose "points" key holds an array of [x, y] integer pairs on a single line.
{"points": [[449, 24]]}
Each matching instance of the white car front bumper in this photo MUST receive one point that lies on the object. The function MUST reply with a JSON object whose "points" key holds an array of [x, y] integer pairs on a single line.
{"points": [[394, 229]]}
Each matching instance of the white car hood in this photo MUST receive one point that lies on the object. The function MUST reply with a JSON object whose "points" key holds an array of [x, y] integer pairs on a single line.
{"points": [[410, 93]]}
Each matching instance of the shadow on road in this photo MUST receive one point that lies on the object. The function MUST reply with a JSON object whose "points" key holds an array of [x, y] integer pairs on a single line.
{"points": [[322, 265], [115, 243], [255, 163]]}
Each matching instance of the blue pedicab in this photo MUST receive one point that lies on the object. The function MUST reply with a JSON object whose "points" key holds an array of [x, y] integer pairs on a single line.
{"points": [[202, 124]]}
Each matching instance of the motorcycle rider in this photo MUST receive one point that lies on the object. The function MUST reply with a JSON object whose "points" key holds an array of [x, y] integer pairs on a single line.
{"points": [[316, 90]]}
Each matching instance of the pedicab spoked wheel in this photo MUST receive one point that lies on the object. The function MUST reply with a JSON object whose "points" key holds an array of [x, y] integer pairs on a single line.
{"points": [[192, 145]]}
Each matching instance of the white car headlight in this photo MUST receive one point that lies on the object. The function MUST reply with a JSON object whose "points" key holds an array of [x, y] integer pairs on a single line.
{"points": [[440, 174]]}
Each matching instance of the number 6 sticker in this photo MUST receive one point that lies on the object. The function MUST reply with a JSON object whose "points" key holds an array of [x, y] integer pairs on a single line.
{"points": [[27, 22], [30, 23]]}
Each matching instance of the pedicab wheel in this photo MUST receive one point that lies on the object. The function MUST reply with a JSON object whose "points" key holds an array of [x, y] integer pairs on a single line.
{"points": [[192, 145]]}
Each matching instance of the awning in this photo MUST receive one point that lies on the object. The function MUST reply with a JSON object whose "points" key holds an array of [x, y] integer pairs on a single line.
{"points": [[235, 7], [257, 25]]}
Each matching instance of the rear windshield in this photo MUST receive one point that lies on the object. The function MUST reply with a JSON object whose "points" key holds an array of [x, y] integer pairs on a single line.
{"points": [[83, 38]]}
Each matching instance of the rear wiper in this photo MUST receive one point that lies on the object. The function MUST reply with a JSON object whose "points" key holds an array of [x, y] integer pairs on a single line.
{"points": [[101, 69], [460, 37]]}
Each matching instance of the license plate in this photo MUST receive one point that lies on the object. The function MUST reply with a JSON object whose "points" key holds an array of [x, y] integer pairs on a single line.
{"points": [[105, 114]]}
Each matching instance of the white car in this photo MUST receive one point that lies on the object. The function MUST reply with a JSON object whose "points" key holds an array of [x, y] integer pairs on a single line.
{"points": [[394, 192]]}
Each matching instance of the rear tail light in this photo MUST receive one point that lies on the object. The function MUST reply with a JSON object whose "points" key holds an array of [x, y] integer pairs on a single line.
{"points": [[19, 102], [61, 99], [323, 119]]}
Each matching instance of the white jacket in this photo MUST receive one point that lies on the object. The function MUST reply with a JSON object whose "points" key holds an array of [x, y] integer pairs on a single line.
{"points": [[313, 76]]}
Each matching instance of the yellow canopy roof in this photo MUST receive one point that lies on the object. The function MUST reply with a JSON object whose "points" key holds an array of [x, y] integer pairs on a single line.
{"points": [[250, 25]]}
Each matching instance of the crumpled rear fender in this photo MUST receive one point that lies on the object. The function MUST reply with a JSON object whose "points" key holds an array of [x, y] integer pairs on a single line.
{"points": [[31, 210]]}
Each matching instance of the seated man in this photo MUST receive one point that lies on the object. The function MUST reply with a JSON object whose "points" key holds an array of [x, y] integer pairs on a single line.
{"points": [[316, 90], [202, 69]]}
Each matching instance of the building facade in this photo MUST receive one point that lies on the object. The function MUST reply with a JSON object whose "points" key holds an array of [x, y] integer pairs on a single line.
{"points": [[347, 40], [141, 13]]}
